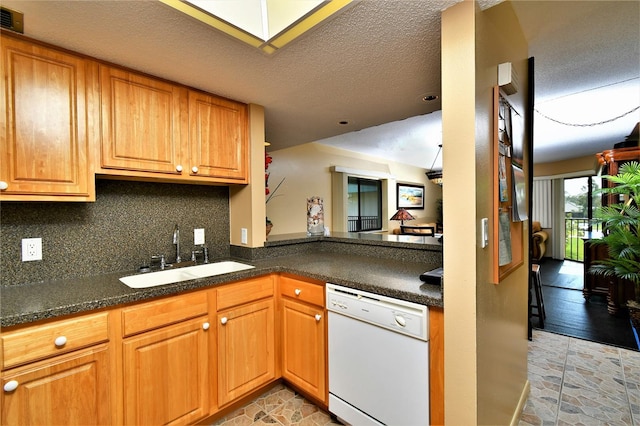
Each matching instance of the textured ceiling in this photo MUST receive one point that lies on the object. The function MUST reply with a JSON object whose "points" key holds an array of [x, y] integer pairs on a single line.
{"points": [[370, 65]]}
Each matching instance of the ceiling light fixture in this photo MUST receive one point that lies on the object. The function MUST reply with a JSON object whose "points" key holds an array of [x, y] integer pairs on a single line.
{"points": [[435, 176]]}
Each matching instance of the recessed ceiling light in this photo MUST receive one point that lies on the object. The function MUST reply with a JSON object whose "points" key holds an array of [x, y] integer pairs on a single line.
{"points": [[344, 122], [430, 98]]}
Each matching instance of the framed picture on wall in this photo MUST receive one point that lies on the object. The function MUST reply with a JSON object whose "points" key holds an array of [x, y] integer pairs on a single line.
{"points": [[410, 196]]}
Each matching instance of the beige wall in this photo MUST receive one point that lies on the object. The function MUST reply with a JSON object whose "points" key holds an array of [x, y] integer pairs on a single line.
{"points": [[307, 172], [485, 324], [246, 202], [583, 166]]}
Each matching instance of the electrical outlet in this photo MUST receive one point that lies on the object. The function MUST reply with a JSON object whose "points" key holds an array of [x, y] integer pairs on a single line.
{"points": [[243, 235], [198, 237], [31, 249]]}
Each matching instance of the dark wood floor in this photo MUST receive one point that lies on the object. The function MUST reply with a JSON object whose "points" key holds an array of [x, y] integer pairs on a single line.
{"points": [[569, 314]]}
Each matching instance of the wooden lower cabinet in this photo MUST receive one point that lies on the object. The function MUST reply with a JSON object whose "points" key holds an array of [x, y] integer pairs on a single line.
{"points": [[166, 375], [436, 365], [70, 389], [304, 347], [246, 349]]}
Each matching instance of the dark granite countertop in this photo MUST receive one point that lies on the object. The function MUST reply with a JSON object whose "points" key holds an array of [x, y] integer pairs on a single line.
{"points": [[380, 239], [32, 302]]}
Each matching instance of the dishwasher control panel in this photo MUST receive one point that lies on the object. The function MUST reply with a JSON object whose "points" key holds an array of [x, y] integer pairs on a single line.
{"points": [[396, 315]]}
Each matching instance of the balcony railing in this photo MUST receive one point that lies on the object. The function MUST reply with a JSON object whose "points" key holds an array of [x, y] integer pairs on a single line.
{"points": [[574, 229], [363, 223]]}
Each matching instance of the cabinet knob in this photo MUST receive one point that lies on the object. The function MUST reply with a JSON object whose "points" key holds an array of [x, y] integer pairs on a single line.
{"points": [[318, 317], [223, 320], [205, 326], [178, 168], [194, 169], [11, 385], [60, 341], [297, 291], [3, 185]]}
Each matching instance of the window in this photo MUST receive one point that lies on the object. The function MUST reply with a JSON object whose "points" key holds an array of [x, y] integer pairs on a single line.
{"points": [[364, 204]]}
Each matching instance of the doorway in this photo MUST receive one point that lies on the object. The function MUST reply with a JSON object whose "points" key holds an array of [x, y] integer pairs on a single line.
{"points": [[572, 204]]}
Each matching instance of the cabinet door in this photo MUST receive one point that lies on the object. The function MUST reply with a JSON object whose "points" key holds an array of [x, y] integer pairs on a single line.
{"points": [[65, 390], [166, 374], [44, 145], [218, 144], [142, 122], [246, 349], [303, 340]]}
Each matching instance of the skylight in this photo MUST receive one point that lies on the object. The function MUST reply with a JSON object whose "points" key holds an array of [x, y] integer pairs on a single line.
{"points": [[265, 24]]}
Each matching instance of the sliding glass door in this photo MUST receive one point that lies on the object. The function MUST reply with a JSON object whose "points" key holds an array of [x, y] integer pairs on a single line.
{"points": [[579, 206]]}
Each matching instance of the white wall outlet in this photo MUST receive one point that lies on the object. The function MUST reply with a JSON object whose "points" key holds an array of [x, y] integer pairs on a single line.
{"points": [[31, 249], [484, 231], [198, 237], [243, 236]]}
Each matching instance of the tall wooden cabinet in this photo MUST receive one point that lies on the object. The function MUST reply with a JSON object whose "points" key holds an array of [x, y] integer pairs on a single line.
{"points": [[617, 290], [45, 143]]}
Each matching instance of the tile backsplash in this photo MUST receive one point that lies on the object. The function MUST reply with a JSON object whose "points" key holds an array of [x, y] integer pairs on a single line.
{"points": [[129, 222]]}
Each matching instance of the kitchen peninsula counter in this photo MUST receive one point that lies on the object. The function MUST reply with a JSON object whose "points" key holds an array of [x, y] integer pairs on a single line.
{"points": [[399, 278]]}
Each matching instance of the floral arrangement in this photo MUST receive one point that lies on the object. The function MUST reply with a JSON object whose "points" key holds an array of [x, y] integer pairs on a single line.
{"points": [[268, 160]]}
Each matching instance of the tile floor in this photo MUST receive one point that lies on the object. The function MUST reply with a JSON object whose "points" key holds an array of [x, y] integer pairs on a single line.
{"points": [[573, 382], [578, 382], [278, 406]]}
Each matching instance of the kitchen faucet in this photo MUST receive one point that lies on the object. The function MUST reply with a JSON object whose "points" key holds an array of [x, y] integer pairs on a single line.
{"points": [[176, 241]]}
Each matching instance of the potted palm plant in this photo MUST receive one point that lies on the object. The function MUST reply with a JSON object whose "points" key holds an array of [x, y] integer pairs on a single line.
{"points": [[621, 222]]}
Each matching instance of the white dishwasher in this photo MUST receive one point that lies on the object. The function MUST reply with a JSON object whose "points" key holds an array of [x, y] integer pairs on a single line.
{"points": [[378, 359]]}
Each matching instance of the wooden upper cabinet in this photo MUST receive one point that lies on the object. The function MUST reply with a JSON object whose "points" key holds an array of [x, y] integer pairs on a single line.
{"points": [[142, 122], [44, 142], [218, 145], [156, 129]]}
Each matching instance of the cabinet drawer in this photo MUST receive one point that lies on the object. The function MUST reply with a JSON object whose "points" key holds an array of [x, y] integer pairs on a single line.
{"points": [[159, 313], [302, 290], [37, 342], [245, 292]]}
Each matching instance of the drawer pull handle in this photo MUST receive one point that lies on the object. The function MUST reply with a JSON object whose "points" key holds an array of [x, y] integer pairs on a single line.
{"points": [[205, 326], [297, 291], [318, 317], [223, 320], [3, 185], [194, 169], [178, 168], [60, 341], [11, 385]]}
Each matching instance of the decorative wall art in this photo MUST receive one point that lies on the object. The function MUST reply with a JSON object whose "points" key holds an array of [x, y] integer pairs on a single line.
{"points": [[509, 186], [410, 196]]}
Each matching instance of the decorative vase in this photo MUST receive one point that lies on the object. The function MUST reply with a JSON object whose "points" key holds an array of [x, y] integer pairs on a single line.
{"points": [[315, 216]]}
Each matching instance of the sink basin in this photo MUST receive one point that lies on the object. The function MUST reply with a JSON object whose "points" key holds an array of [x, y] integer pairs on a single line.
{"points": [[169, 276]]}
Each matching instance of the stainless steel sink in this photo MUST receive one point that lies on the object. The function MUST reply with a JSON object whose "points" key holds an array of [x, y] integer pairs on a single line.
{"points": [[169, 276]]}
